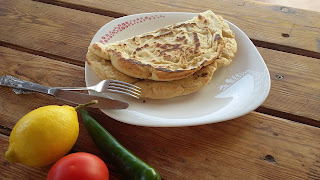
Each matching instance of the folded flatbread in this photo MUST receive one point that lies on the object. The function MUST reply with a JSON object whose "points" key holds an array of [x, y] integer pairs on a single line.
{"points": [[104, 69], [169, 53]]}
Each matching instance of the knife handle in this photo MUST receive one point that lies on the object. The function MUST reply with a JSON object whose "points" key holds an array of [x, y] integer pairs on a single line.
{"points": [[17, 83]]}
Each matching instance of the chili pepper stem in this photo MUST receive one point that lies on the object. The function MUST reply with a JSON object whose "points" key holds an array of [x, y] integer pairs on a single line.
{"points": [[132, 167], [86, 104]]}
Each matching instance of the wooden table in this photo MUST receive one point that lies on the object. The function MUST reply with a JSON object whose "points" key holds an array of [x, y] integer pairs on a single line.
{"points": [[46, 41]]}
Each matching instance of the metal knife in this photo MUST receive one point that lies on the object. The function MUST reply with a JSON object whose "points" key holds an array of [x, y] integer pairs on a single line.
{"points": [[70, 96]]}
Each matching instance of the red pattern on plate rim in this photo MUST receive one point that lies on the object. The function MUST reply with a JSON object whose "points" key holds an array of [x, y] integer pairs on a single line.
{"points": [[122, 26]]}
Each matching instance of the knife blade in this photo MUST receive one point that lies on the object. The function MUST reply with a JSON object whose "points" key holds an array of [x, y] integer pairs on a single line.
{"points": [[81, 98], [70, 96]]}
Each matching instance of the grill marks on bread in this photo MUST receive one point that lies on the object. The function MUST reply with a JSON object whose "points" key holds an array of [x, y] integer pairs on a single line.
{"points": [[169, 53], [165, 89], [161, 50]]}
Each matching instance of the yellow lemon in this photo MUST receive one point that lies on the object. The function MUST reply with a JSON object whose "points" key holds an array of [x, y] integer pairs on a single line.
{"points": [[43, 136]]}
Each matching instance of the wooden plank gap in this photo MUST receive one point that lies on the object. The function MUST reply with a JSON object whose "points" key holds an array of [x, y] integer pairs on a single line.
{"points": [[291, 117], [288, 49], [110, 13], [83, 8], [5, 130], [40, 53]]}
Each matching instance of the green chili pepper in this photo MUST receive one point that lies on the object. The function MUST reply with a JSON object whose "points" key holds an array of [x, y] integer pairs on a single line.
{"points": [[131, 166]]}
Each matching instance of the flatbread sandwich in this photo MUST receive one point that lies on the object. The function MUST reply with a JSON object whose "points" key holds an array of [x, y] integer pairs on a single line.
{"points": [[175, 60]]}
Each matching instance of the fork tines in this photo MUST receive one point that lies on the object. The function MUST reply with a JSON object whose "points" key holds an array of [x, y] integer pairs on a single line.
{"points": [[125, 88]]}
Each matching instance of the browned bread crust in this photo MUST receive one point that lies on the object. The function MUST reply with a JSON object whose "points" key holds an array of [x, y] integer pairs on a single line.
{"points": [[152, 89], [170, 53]]}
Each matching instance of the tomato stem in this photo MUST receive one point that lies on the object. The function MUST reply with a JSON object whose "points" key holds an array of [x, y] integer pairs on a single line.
{"points": [[86, 104]]}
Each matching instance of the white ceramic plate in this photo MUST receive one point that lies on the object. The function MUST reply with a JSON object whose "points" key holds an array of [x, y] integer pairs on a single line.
{"points": [[234, 90]]}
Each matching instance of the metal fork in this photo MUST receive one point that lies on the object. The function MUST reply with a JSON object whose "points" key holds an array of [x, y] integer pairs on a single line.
{"points": [[110, 85]]}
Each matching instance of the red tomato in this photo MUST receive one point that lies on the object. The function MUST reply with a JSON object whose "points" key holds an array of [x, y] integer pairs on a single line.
{"points": [[79, 166]]}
